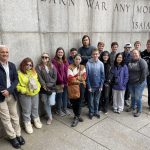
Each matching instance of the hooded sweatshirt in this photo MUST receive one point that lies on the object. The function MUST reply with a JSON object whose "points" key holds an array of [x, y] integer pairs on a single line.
{"points": [[95, 74]]}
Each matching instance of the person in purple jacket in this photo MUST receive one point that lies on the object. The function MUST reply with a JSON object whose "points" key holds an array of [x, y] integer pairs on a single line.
{"points": [[119, 75], [61, 64]]}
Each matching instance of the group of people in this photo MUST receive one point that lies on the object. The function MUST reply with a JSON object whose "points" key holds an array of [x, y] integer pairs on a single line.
{"points": [[89, 75]]}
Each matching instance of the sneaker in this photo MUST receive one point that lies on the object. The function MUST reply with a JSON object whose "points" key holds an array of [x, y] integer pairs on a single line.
{"points": [[97, 115], [115, 111], [134, 111], [128, 109], [28, 127], [80, 119], [90, 116], [118, 111], [15, 143], [75, 122], [137, 114], [67, 112], [37, 123], [49, 121], [20, 140], [127, 103], [105, 111], [60, 113]]}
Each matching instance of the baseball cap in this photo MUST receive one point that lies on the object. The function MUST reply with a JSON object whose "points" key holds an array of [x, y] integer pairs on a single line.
{"points": [[128, 45]]}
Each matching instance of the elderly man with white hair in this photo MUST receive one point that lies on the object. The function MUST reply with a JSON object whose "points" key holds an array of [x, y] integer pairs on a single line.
{"points": [[8, 96]]}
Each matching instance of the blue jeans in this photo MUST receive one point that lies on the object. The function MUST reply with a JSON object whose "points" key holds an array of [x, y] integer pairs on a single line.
{"points": [[93, 101], [47, 106], [61, 100], [136, 91]]}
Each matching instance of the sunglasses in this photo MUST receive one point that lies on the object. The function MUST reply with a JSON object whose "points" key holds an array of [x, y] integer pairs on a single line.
{"points": [[45, 57], [29, 65]]}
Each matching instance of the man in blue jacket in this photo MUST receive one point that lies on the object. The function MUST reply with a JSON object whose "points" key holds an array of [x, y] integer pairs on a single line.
{"points": [[8, 95]]}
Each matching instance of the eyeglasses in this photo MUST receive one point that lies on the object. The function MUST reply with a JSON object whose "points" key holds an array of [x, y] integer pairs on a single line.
{"points": [[29, 65], [45, 57]]}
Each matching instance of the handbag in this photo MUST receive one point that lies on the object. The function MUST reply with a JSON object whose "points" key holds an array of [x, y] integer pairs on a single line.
{"points": [[51, 99], [73, 91], [32, 84]]}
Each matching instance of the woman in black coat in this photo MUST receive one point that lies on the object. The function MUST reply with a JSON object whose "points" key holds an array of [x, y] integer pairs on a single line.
{"points": [[104, 100]]}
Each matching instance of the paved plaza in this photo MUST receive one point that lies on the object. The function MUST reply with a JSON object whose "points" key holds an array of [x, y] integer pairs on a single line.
{"points": [[110, 132]]}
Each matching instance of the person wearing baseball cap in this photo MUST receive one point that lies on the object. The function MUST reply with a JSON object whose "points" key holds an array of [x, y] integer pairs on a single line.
{"points": [[127, 58]]}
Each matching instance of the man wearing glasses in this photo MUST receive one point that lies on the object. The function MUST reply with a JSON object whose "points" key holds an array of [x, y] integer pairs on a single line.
{"points": [[8, 103]]}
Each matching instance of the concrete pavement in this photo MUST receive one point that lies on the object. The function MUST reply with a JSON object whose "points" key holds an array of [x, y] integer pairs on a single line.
{"points": [[110, 132]]}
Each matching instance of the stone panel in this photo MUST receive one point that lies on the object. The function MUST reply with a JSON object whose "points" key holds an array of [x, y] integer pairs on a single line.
{"points": [[19, 16], [53, 16], [52, 41], [22, 46]]}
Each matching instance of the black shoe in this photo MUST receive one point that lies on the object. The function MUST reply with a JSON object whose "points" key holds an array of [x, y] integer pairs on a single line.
{"points": [[83, 104], [75, 122], [21, 140], [90, 116], [80, 119], [137, 114], [97, 115], [128, 109], [14, 142], [69, 106]]}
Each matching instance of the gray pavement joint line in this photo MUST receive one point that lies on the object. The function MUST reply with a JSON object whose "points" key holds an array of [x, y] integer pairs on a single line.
{"points": [[143, 135], [95, 141], [84, 134], [128, 126], [123, 124], [143, 127], [94, 124]]}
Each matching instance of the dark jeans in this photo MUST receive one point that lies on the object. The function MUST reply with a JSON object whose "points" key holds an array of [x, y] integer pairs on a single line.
{"points": [[127, 93], [85, 97], [76, 106], [148, 86], [93, 102], [104, 99], [61, 100], [76, 103]]}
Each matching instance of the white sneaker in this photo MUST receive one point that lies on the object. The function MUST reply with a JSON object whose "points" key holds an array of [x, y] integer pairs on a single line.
{"points": [[37, 123], [28, 127]]}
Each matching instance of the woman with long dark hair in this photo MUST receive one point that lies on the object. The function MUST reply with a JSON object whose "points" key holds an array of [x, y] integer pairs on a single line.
{"points": [[120, 75], [104, 99], [61, 64]]}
